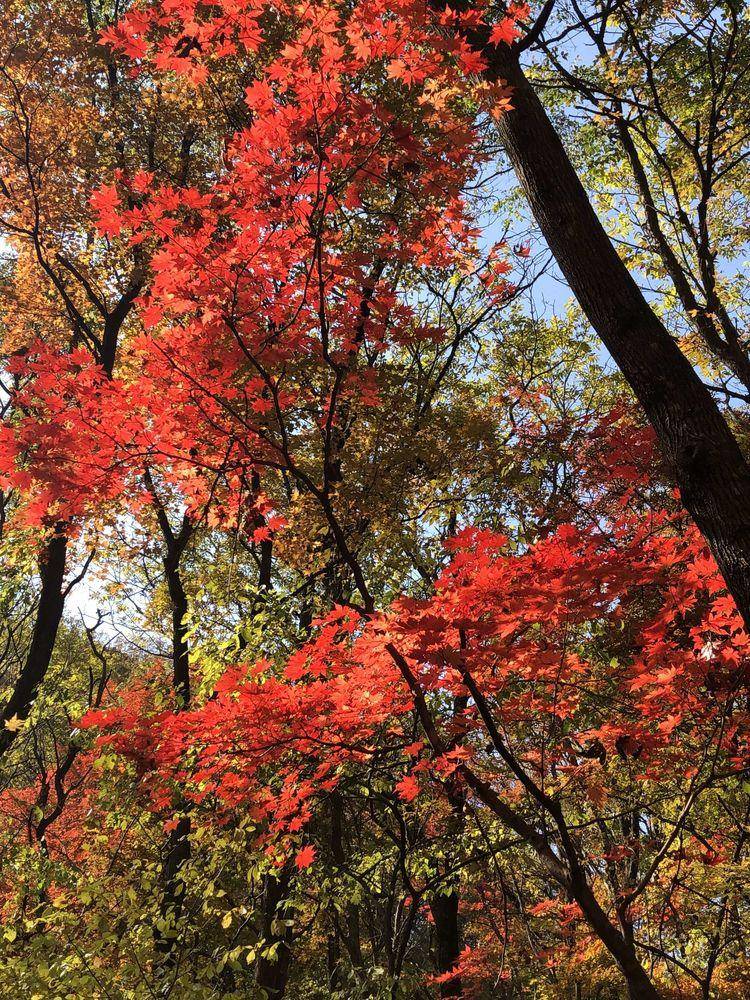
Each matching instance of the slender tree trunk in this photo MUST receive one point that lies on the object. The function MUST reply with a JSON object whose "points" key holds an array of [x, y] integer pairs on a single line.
{"points": [[333, 958], [445, 909], [176, 851], [273, 972], [52, 566], [349, 933], [704, 457], [180, 650], [175, 856], [48, 618], [728, 349]]}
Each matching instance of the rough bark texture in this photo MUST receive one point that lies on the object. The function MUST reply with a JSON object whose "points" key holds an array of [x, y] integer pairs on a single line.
{"points": [[702, 454], [445, 908]]}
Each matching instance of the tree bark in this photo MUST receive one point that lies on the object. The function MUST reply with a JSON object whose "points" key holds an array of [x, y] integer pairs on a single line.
{"points": [[179, 602], [52, 563], [444, 910], [702, 454], [176, 854], [349, 933], [48, 617], [177, 849], [728, 348], [272, 973], [639, 985]]}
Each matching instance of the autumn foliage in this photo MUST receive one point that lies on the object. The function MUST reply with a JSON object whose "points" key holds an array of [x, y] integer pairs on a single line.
{"points": [[401, 669]]}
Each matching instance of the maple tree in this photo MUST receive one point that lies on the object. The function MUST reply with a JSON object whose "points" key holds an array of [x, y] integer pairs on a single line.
{"points": [[413, 662]]}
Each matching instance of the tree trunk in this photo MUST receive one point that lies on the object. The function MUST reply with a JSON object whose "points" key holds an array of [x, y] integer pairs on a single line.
{"points": [[177, 850], [180, 650], [273, 973], [175, 856], [48, 617], [349, 933], [444, 911], [703, 456], [52, 563], [566, 870], [639, 985]]}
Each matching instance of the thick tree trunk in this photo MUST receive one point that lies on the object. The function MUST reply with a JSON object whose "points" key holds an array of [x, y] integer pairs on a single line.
{"points": [[704, 457], [48, 617], [444, 910]]}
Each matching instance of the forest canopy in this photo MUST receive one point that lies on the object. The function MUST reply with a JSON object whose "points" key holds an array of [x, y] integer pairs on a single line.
{"points": [[375, 499]]}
